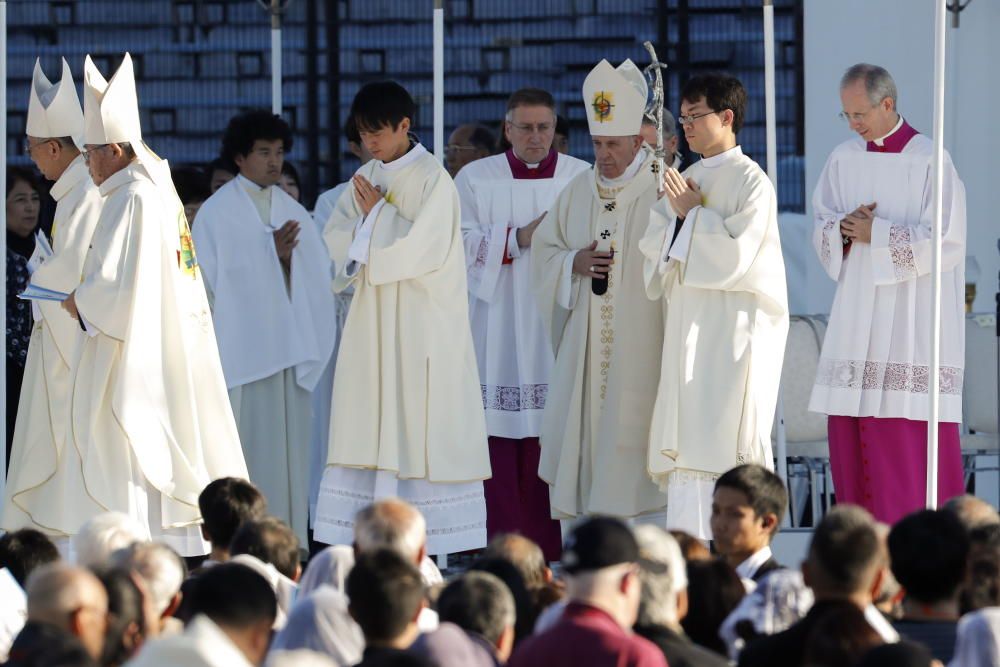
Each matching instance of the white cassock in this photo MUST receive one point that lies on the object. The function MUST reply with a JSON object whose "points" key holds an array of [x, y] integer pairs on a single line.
{"points": [[514, 354], [151, 422], [723, 282], [407, 416], [876, 352], [595, 429], [276, 332], [44, 408]]}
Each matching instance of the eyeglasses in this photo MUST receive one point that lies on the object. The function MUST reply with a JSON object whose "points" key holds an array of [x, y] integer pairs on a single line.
{"points": [[541, 128], [456, 148], [87, 151], [689, 120], [854, 117], [29, 147]]}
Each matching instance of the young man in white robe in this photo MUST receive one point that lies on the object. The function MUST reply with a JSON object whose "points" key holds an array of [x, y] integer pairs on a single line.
{"points": [[407, 416], [872, 233], [55, 136], [607, 336], [268, 272], [713, 257], [151, 424], [503, 199]]}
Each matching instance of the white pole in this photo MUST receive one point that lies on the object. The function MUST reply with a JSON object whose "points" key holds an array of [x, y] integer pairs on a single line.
{"points": [[276, 57], [940, 14], [439, 79], [3, 218]]}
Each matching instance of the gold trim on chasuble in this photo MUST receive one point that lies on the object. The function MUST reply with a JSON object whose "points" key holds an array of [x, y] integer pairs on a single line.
{"points": [[607, 301]]}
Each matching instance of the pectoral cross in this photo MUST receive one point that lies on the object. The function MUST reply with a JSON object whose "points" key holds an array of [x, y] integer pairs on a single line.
{"points": [[605, 235], [610, 206]]}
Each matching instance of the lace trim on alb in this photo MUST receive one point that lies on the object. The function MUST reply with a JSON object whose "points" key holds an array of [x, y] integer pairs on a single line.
{"points": [[514, 399], [885, 376], [901, 252]]}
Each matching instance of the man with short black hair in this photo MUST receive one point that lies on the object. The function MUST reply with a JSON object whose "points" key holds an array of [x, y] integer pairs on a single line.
{"points": [[928, 552], [748, 504], [482, 605], [466, 144], [713, 254], [225, 504], [21, 551], [600, 558], [844, 567], [269, 540], [273, 310], [386, 595]]}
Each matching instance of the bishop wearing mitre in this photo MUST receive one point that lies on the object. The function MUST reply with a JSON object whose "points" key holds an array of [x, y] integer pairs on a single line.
{"points": [[150, 423], [55, 137], [607, 336]]}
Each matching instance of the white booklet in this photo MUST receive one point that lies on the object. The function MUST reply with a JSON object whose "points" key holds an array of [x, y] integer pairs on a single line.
{"points": [[36, 293]]}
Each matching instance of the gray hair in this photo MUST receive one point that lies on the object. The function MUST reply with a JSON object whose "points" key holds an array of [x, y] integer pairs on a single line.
{"points": [[878, 82], [56, 590], [662, 574], [160, 567], [390, 524], [669, 124], [104, 534], [478, 602]]}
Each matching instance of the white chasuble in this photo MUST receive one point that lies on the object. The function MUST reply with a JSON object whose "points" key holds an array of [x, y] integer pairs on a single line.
{"points": [[595, 428], [407, 415], [723, 283], [876, 354], [514, 354], [151, 421], [44, 408]]}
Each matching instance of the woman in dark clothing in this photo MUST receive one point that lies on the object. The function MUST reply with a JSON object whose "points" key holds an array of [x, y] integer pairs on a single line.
{"points": [[22, 221]]}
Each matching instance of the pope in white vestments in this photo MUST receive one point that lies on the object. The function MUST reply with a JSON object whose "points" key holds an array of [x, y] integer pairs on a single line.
{"points": [[151, 424], [872, 233], [713, 255], [55, 131], [503, 199], [608, 345], [407, 416], [269, 275]]}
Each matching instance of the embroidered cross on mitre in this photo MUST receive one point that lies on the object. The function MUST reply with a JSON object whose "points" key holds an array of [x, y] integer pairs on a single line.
{"points": [[610, 206]]}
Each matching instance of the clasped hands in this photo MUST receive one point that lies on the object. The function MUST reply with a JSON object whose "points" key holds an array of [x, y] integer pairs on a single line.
{"points": [[682, 194], [857, 225], [366, 194]]}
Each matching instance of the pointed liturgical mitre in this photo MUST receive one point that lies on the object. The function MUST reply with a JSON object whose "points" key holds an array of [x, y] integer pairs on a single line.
{"points": [[54, 110], [615, 99]]}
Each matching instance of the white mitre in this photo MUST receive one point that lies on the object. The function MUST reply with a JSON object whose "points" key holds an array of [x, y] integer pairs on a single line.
{"points": [[111, 116], [615, 99], [54, 110]]}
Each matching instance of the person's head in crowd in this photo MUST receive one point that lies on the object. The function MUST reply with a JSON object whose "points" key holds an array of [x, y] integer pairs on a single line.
{"points": [[481, 604], [663, 575], [129, 622], [846, 557], [466, 144], [386, 594], [269, 540], [978, 639], [901, 654], [530, 124], [320, 622], [691, 547], [256, 142], [24, 550], [218, 172], [327, 568], [23, 202], [383, 112], [191, 189], [526, 612], [670, 138], [747, 506], [890, 593], [981, 587], [524, 554], [162, 571], [225, 504], [972, 512], [289, 181], [392, 524], [104, 534], [714, 591], [841, 637], [241, 603], [600, 558], [561, 140], [71, 599], [712, 110], [929, 552]]}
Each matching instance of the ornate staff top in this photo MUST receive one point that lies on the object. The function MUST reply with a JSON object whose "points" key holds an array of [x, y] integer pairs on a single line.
{"points": [[654, 110]]}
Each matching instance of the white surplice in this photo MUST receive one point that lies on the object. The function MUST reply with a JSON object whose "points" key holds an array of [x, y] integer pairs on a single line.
{"points": [[44, 408], [723, 283], [276, 332], [514, 354], [407, 416], [151, 421], [595, 429], [876, 353]]}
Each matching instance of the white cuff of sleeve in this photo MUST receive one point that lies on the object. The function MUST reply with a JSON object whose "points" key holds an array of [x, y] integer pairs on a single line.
{"points": [[90, 329], [513, 249], [363, 235], [679, 250], [564, 296]]}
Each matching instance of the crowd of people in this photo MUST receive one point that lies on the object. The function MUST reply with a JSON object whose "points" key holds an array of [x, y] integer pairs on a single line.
{"points": [[924, 592]]}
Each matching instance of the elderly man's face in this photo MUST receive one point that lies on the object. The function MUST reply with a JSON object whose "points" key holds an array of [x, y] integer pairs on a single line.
{"points": [[613, 155], [530, 132], [91, 620], [870, 121], [460, 151], [104, 161], [648, 134]]}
